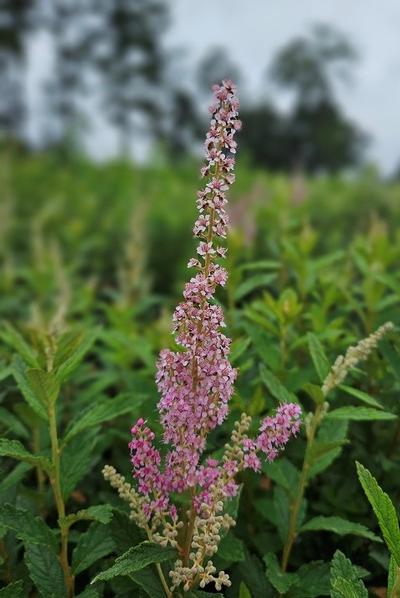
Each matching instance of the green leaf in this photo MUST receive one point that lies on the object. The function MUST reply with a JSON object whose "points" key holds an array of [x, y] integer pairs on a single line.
{"points": [[13, 590], [391, 354], [12, 424], [279, 579], [339, 526], [352, 413], [253, 283], [149, 581], [100, 513], [15, 476], [44, 386], [315, 392], [393, 589], [314, 581], [332, 436], [93, 545], [124, 532], [135, 559], [244, 591], [72, 348], [103, 411], [76, 460], [238, 347], [18, 369], [284, 473], [231, 549], [88, 593], [383, 509], [361, 395], [318, 356], [14, 339], [16, 450], [345, 582], [26, 526], [275, 387], [45, 571]]}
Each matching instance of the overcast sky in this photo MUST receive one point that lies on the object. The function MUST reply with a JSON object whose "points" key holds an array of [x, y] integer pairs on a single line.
{"points": [[252, 30]]}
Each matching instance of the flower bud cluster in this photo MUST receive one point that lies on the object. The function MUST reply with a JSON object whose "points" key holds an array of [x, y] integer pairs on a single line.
{"points": [[353, 356], [196, 384]]}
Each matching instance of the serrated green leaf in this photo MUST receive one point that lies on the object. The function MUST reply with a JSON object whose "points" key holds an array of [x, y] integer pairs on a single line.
{"points": [[339, 526], [124, 532], [314, 581], [13, 590], [18, 369], [92, 545], [345, 582], [149, 581], [16, 450], [100, 513], [361, 395], [27, 527], [279, 579], [76, 460], [71, 350], [135, 559], [383, 509], [352, 413], [231, 549], [318, 356], [43, 385], [45, 571], [103, 411], [276, 387]]}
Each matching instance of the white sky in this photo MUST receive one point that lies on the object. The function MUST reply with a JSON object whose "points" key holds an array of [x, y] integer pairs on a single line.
{"points": [[252, 31]]}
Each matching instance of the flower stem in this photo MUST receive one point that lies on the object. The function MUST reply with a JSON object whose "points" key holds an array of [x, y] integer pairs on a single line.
{"points": [[298, 499], [55, 480]]}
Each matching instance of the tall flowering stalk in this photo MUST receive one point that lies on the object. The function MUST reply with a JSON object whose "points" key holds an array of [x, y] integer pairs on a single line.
{"points": [[195, 385]]}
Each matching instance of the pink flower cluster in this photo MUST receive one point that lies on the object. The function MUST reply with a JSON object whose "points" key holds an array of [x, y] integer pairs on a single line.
{"points": [[196, 383]]}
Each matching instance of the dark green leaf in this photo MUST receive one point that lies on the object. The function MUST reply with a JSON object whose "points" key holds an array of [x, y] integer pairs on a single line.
{"points": [[44, 386], [279, 579], [339, 526], [345, 582], [352, 413], [318, 356], [137, 558], [19, 372], [26, 526], [93, 545], [13, 590], [15, 450], [276, 387], [71, 350], [45, 571], [231, 549]]}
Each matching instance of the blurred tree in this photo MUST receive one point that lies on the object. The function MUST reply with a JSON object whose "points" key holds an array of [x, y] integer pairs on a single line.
{"points": [[71, 25], [263, 137], [215, 66], [16, 19], [132, 62], [319, 136]]}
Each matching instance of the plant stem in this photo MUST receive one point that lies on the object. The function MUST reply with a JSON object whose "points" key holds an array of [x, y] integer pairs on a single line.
{"points": [[159, 568], [55, 481], [298, 499], [40, 476]]}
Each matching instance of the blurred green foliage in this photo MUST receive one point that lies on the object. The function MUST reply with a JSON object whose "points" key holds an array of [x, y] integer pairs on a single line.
{"points": [[93, 260]]}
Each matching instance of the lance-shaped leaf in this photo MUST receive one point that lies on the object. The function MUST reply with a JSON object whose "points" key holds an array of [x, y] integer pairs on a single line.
{"points": [[26, 526], [44, 386], [383, 509], [100, 513], [339, 526], [71, 350], [318, 356], [18, 368], [45, 571]]}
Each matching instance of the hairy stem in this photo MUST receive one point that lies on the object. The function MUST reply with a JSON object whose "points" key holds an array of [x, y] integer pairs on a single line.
{"points": [[55, 480]]}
